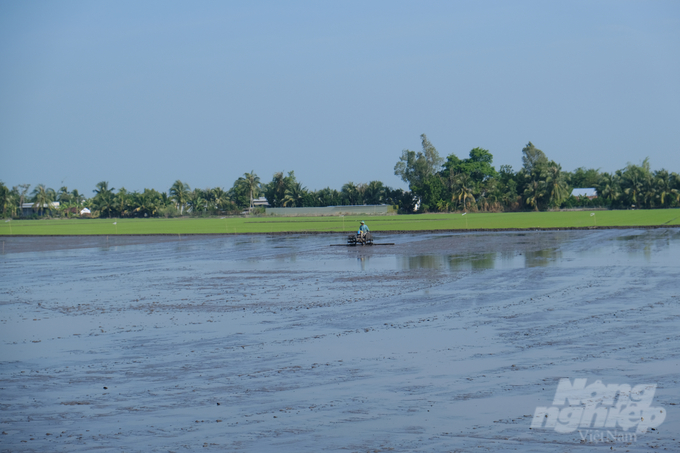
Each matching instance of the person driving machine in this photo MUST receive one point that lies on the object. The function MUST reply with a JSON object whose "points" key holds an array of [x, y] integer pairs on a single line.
{"points": [[363, 229]]}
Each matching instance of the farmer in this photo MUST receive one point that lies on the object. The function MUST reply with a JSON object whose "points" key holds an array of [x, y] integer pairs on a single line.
{"points": [[363, 229]]}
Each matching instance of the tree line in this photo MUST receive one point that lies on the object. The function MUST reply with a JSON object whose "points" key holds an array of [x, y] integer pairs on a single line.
{"points": [[435, 185], [473, 184]]}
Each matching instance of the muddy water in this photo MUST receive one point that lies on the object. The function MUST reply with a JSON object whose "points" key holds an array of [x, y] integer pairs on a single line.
{"points": [[254, 343]]}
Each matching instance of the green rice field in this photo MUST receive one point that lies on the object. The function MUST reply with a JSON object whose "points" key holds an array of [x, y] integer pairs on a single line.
{"points": [[420, 222]]}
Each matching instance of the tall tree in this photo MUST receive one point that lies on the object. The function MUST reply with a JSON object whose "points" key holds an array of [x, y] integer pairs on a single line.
{"points": [[63, 195], [534, 192], [675, 191], [239, 194], [77, 197], [146, 203], [634, 181], [42, 197], [295, 196], [478, 166], [663, 190], [374, 193], [252, 182], [350, 193], [179, 193], [22, 190], [414, 167], [328, 197], [556, 184], [275, 190], [104, 198], [220, 199], [196, 202], [122, 201], [533, 158], [430, 192], [463, 190], [608, 187], [5, 199]]}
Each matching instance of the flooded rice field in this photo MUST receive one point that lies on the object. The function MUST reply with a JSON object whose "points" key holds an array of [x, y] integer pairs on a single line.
{"points": [[523, 341]]}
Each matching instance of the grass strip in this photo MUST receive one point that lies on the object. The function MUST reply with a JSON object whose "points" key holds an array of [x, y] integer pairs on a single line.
{"points": [[419, 222]]}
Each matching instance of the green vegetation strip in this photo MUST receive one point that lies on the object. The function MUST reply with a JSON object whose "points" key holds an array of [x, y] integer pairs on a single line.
{"points": [[423, 222]]}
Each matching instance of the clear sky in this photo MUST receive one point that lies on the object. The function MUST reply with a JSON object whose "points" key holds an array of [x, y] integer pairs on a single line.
{"points": [[142, 93]]}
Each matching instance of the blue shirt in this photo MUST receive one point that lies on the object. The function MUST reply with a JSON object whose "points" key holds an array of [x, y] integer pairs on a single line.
{"points": [[364, 228]]}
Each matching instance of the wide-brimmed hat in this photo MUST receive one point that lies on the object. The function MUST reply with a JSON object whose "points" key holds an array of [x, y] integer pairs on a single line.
{"points": [[362, 221]]}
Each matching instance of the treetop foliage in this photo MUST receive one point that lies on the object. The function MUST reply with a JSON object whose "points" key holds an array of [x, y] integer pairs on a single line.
{"points": [[415, 167], [533, 158]]}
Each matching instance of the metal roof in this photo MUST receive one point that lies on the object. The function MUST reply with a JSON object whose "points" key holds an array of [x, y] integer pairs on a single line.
{"points": [[54, 204]]}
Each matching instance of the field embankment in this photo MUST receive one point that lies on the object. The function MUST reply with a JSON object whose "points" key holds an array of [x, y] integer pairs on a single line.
{"points": [[422, 222]]}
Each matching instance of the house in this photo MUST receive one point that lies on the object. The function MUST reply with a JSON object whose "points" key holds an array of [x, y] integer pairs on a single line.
{"points": [[262, 201], [589, 193], [28, 209]]}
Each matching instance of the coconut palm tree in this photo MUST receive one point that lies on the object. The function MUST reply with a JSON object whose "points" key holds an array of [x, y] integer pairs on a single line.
{"points": [[635, 181], [197, 202], [63, 195], [6, 199], [675, 191], [11, 206], [608, 187], [463, 190], [252, 183], [351, 193], [179, 193], [218, 198], [556, 184], [374, 192], [104, 198], [534, 192], [295, 195], [146, 203], [275, 191], [77, 197], [663, 185], [123, 202], [42, 197], [327, 197], [22, 190]]}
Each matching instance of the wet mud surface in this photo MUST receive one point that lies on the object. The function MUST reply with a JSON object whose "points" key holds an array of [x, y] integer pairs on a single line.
{"points": [[442, 342]]}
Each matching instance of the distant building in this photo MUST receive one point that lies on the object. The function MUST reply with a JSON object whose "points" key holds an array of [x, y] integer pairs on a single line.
{"points": [[589, 193], [85, 211], [262, 201], [28, 209]]}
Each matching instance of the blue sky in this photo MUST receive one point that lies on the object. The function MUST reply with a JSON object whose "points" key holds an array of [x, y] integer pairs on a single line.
{"points": [[141, 93]]}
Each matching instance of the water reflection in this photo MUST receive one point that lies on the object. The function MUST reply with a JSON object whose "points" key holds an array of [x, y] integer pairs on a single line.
{"points": [[540, 258], [483, 261], [646, 244], [363, 260], [491, 260], [567, 250], [445, 253]]}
